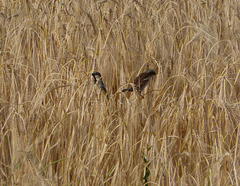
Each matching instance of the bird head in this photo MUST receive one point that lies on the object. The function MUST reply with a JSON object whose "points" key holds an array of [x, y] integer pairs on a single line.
{"points": [[150, 72], [96, 76]]}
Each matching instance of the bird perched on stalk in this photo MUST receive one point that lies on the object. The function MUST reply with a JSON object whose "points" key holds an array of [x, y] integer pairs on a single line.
{"points": [[98, 80], [141, 81]]}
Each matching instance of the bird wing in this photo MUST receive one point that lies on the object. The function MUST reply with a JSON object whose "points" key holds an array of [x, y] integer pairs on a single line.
{"points": [[141, 81], [104, 88]]}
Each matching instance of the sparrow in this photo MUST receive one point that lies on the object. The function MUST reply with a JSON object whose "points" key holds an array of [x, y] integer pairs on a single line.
{"points": [[141, 81], [98, 80]]}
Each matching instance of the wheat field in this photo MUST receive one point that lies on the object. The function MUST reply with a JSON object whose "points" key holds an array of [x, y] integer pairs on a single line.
{"points": [[58, 128]]}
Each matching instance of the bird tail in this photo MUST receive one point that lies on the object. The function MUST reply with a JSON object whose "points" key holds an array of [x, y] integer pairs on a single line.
{"points": [[127, 89]]}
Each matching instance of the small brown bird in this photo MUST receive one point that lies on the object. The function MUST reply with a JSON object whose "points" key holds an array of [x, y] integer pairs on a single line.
{"points": [[141, 81], [98, 80]]}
